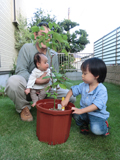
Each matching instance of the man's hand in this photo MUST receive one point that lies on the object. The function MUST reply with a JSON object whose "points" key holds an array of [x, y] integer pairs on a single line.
{"points": [[42, 81]]}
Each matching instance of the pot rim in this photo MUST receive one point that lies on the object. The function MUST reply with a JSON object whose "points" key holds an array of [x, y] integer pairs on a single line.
{"points": [[40, 107]]}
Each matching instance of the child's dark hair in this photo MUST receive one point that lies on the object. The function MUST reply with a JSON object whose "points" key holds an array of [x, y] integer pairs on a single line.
{"points": [[37, 58], [97, 67]]}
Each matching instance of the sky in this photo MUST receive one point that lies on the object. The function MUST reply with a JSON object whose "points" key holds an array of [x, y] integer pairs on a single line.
{"points": [[96, 17]]}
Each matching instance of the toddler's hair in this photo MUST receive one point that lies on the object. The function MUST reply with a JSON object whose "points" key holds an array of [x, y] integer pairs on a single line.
{"points": [[97, 67], [37, 58]]}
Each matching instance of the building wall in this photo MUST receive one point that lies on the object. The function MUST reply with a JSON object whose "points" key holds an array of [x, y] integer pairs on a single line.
{"points": [[8, 53], [113, 74], [7, 41]]}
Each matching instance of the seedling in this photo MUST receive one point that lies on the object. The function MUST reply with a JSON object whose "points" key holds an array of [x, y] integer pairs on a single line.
{"points": [[57, 42]]}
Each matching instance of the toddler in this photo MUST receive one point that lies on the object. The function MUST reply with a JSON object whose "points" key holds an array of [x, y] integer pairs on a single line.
{"points": [[38, 92], [93, 98]]}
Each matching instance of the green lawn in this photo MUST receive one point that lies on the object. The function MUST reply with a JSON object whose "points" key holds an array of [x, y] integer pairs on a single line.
{"points": [[18, 140]]}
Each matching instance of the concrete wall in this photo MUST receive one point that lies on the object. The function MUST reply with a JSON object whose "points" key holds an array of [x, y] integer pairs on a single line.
{"points": [[113, 74], [74, 75], [3, 80]]}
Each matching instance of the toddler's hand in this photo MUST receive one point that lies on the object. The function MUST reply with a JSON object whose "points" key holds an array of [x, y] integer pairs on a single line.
{"points": [[75, 110], [64, 103], [27, 91]]}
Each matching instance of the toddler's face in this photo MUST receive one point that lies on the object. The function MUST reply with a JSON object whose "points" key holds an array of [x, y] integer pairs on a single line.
{"points": [[43, 65], [88, 77]]}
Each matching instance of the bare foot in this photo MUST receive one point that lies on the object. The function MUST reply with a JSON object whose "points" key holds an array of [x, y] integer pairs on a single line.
{"points": [[33, 105]]}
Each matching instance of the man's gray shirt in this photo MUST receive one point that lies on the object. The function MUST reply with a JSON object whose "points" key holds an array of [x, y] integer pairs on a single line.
{"points": [[25, 61]]}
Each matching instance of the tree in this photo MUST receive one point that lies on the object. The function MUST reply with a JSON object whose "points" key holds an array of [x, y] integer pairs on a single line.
{"points": [[68, 24], [78, 39], [22, 34], [40, 16]]}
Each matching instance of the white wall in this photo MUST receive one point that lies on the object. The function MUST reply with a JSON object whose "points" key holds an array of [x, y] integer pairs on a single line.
{"points": [[8, 53]]}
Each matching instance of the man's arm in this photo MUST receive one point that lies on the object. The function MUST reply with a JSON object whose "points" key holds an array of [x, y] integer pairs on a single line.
{"points": [[42, 81], [54, 55], [56, 63], [23, 63]]}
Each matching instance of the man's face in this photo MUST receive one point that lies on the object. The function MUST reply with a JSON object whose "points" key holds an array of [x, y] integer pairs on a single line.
{"points": [[40, 33]]}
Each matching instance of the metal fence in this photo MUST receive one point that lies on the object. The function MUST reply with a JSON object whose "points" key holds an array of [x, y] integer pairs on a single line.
{"points": [[73, 61], [108, 48]]}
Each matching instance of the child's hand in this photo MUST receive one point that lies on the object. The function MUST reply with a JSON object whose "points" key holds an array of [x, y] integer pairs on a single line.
{"points": [[33, 105], [27, 91], [64, 102], [76, 110]]}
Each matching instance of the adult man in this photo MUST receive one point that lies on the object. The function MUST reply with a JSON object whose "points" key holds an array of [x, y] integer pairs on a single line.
{"points": [[17, 83]]}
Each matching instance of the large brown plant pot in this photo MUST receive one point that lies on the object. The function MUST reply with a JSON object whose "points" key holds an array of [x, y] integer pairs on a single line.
{"points": [[53, 126]]}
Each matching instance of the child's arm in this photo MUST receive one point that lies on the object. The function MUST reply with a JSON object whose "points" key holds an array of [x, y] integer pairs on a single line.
{"points": [[66, 100], [90, 108]]}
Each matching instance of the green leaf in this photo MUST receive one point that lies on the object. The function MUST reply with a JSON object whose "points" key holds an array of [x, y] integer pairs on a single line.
{"points": [[42, 28], [50, 32], [54, 77], [46, 77], [54, 96], [56, 83], [48, 94], [40, 45], [67, 83], [62, 86], [35, 29], [58, 75], [57, 37], [64, 37], [38, 37], [47, 88], [64, 51], [48, 44], [50, 25], [32, 37], [55, 93]]}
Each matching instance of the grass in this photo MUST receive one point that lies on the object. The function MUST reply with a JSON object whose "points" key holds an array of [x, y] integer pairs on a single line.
{"points": [[18, 140]]}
